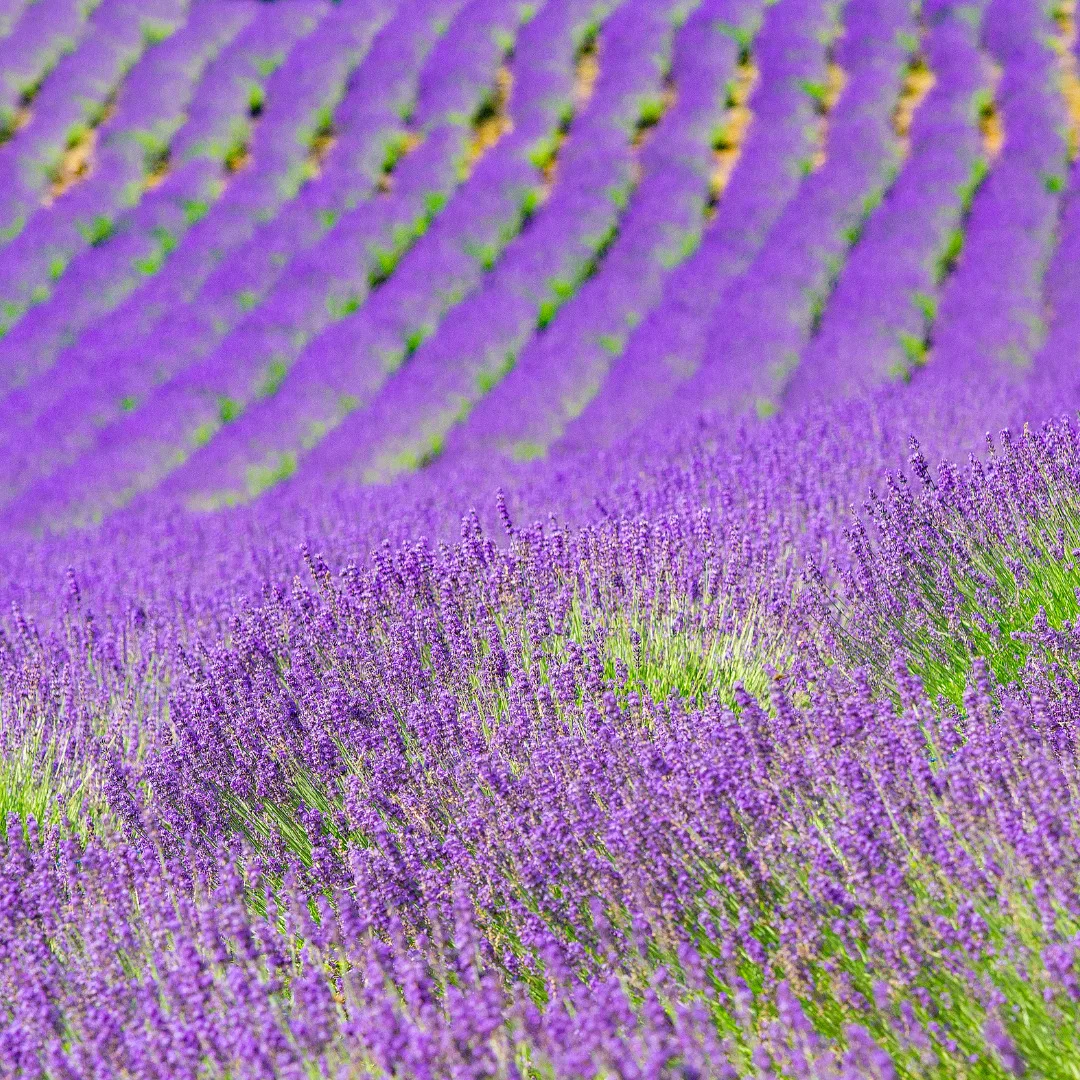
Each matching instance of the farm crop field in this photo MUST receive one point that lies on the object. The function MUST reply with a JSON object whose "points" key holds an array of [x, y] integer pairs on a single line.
{"points": [[539, 540]]}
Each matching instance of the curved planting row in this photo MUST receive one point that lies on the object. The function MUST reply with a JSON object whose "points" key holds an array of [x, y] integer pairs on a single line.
{"points": [[110, 166], [217, 125], [865, 207], [452, 254], [349, 288], [792, 65]]}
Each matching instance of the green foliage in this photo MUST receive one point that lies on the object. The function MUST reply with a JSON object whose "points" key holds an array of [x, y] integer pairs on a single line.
{"points": [[409, 459], [950, 254], [394, 151], [982, 104], [275, 376], [98, 231], [817, 92], [671, 651], [544, 151], [267, 65], [852, 233], [620, 195], [980, 169], [743, 36], [203, 434], [340, 307], [650, 112], [228, 409], [195, 210], [321, 126], [484, 254], [487, 379], [13, 229], [76, 133], [530, 201], [977, 597], [384, 262], [560, 291], [262, 477], [612, 343], [909, 43], [915, 348], [246, 299], [154, 33], [547, 312], [926, 306], [681, 244], [417, 337], [153, 262], [41, 778], [526, 450]]}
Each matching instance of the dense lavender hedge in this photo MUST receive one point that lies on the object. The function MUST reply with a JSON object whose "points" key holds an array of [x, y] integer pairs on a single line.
{"points": [[539, 539]]}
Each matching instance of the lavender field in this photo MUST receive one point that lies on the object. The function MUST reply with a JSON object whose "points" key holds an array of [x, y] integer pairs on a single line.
{"points": [[539, 540]]}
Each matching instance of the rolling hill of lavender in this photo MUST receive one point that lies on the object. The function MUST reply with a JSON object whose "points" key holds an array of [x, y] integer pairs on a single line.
{"points": [[539, 540]]}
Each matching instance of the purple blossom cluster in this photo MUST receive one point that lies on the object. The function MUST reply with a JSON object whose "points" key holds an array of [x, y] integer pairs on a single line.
{"points": [[504, 573], [650, 790]]}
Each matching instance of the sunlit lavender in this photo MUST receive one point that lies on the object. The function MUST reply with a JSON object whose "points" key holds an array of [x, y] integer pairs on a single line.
{"points": [[541, 540]]}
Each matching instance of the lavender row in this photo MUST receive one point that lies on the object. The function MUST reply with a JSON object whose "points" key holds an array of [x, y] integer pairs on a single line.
{"points": [[288, 120], [560, 369], [1054, 379], [985, 345], [101, 275], [351, 174], [75, 99], [408, 422], [129, 145], [763, 320], [240, 295], [220, 122], [45, 31], [10, 10], [106, 372], [297, 96], [231, 95], [876, 320], [992, 310], [538, 268], [303, 93], [501, 183], [666, 347], [371, 231], [464, 240]]}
